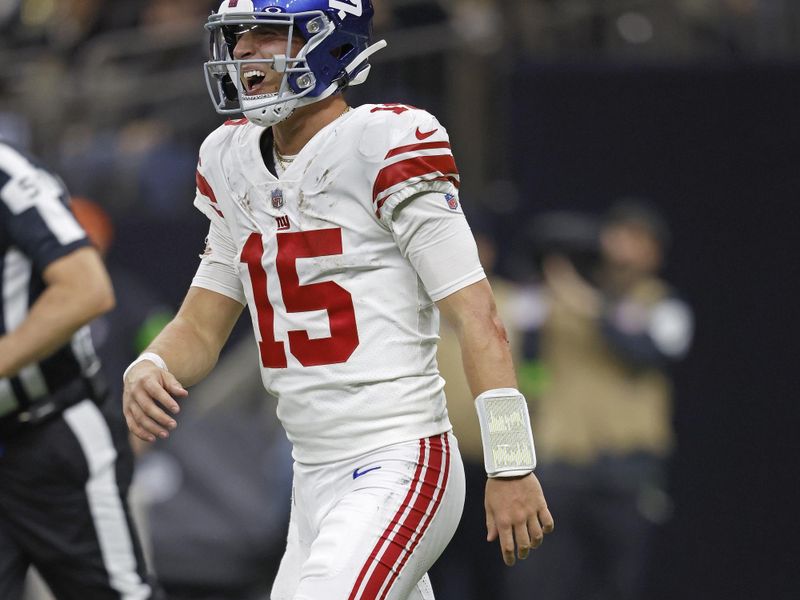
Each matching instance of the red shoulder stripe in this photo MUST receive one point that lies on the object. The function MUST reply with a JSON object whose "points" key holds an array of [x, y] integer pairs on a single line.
{"points": [[439, 167], [416, 147], [204, 188]]}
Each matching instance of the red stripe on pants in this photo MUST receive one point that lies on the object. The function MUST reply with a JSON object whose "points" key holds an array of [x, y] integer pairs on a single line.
{"points": [[434, 509], [408, 532]]}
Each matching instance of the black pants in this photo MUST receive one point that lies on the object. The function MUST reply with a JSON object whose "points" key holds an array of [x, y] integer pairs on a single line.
{"points": [[63, 508], [600, 547]]}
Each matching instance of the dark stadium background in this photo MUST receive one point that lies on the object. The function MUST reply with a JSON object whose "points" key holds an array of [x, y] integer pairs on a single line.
{"points": [[719, 149], [706, 124]]}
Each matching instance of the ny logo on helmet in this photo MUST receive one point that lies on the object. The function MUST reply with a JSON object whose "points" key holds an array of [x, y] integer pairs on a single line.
{"points": [[347, 7]]}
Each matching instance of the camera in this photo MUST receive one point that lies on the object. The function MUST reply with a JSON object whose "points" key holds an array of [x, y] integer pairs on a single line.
{"points": [[570, 234]]}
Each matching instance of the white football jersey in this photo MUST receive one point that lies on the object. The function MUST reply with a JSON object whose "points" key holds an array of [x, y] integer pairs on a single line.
{"points": [[346, 331]]}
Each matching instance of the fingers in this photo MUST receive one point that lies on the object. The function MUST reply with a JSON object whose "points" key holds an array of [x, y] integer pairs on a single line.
{"points": [[145, 404], [158, 391], [148, 424], [507, 545], [538, 525], [546, 520], [535, 532], [133, 417], [522, 536], [507, 530], [491, 527], [174, 387], [508, 533], [137, 430], [517, 515], [523, 539]]}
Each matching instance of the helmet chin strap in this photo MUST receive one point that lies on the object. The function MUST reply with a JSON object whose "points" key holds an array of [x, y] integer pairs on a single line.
{"points": [[272, 115]]}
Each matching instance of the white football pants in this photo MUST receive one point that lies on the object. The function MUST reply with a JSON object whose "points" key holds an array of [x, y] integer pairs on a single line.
{"points": [[370, 528]]}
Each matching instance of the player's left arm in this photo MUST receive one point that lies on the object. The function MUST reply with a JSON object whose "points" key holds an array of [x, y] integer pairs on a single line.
{"points": [[516, 510], [78, 290], [432, 233]]}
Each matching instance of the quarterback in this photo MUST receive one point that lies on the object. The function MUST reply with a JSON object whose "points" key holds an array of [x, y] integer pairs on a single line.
{"points": [[341, 230]]}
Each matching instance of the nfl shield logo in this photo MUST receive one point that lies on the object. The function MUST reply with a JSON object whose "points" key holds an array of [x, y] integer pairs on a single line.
{"points": [[277, 199], [452, 201]]}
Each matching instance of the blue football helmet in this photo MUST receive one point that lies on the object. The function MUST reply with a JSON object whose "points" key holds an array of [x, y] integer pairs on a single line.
{"points": [[337, 36]]}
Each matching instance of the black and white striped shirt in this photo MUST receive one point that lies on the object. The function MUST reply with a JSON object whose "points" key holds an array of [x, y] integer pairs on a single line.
{"points": [[36, 228]]}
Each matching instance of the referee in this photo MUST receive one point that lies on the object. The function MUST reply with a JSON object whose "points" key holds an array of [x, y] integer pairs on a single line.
{"points": [[65, 462]]}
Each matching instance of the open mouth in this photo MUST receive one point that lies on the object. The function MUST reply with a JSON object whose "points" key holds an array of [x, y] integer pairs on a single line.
{"points": [[253, 80]]}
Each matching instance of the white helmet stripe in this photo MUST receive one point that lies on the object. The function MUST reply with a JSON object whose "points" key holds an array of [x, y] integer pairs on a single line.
{"points": [[236, 6]]}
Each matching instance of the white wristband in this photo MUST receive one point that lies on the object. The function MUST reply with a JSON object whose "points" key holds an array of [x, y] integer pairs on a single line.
{"points": [[506, 433], [152, 357]]}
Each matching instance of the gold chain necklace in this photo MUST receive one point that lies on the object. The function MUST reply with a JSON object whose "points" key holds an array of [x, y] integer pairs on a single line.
{"points": [[282, 160], [285, 161]]}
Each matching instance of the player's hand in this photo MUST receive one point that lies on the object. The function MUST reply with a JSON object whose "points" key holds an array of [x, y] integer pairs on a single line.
{"points": [[517, 514], [149, 393]]}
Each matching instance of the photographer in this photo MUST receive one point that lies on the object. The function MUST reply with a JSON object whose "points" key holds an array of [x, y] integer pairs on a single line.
{"points": [[597, 346]]}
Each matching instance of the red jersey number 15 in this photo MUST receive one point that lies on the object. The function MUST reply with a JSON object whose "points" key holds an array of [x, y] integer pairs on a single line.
{"points": [[328, 296]]}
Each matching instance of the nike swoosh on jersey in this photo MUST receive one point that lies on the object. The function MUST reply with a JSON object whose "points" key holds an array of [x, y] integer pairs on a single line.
{"points": [[426, 135], [357, 473]]}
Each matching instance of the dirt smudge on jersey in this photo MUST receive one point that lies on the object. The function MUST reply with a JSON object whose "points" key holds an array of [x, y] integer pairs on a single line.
{"points": [[322, 179]]}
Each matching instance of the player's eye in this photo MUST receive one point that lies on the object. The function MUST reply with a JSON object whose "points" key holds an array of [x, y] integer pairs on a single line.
{"points": [[268, 31]]}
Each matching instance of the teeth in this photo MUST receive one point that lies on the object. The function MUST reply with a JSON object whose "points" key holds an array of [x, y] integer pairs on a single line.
{"points": [[253, 73]]}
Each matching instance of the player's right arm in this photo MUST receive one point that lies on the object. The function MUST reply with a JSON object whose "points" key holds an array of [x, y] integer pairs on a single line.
{"points": [[189, 346]]}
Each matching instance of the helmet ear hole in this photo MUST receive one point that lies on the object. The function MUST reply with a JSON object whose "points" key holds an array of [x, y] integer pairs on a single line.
{"points": [[341, 50]]}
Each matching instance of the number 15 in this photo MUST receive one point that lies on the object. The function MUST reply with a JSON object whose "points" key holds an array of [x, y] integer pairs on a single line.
{"points": [[327, 295]]}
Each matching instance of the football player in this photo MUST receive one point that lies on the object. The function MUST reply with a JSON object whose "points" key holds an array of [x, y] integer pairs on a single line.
{"points": [[342, 232]]}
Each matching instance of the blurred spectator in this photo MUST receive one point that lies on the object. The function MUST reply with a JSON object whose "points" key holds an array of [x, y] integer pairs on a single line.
{"points": [[599, 339], [393, 14], [136, 144], [63, 26], [470, 568], [149, 169], [176, 14]]}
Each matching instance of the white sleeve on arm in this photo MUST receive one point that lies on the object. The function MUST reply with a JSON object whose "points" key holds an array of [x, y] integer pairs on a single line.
{"points": [[438, 242], [217, 270]]}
